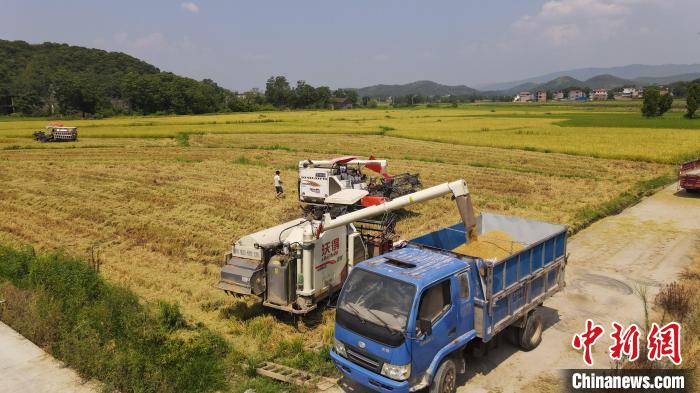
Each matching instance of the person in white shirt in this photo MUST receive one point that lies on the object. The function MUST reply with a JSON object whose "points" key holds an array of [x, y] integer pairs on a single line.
{"points": [[278, 185]]}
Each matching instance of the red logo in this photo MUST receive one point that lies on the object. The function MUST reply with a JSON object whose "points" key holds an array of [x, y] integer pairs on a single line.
{"points": [[665, 342], [587, 339], [662, 342]]}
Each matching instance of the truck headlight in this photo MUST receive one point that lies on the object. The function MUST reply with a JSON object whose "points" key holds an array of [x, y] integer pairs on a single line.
{"points": [[399, 373], [339, 348]]}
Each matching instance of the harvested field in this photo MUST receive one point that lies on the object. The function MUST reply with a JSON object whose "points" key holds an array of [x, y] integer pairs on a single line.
{"points": [[163, 216]]}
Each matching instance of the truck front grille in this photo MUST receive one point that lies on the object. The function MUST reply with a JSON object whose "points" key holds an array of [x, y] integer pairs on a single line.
{"points": [[364, 360]]}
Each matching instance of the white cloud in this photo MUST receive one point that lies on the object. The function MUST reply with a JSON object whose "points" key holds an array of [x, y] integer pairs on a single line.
{"points": [[561, 22], [190, 7]]}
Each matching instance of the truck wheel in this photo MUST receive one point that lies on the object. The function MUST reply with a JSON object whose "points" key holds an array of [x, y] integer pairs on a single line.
{"points": [[446, 378], [530, 336]]}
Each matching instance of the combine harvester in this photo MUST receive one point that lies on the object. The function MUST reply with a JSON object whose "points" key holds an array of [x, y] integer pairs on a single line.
{"points": [[57, 132], [339, 185], [295, 265]]}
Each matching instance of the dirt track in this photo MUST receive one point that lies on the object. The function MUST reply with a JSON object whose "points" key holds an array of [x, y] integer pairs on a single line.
{"points": [[644, 246]]}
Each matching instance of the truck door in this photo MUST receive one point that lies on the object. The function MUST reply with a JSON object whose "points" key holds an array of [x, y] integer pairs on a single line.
{"points": [[466, 303], [440, 306]]}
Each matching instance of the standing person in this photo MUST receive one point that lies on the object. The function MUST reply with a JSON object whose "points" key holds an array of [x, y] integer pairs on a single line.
{"points": [[278, 185]]}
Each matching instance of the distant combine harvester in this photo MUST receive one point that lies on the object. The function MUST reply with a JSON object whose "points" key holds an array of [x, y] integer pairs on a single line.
{"points": [[57, 132]]}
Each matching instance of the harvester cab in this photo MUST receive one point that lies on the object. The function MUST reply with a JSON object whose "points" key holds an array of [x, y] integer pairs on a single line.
{"points": [[295, 265], [340, 185]]}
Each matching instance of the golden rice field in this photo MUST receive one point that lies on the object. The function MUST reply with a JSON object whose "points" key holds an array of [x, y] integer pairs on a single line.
{"points": [[545, 128], [162, 208]]}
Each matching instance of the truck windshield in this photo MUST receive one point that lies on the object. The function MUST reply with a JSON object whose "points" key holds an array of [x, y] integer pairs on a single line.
{"points": [[382, 302]]}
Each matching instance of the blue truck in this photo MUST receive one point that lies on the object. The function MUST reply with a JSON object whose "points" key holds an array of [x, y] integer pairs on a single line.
{"points": [[405, 319]]}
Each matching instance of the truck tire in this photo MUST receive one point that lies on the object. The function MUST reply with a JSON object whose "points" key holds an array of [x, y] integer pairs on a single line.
{"points": [[530, 335], [445, 380]]}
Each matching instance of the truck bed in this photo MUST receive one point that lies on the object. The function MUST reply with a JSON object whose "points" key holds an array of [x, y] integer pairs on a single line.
{"points": [[513, 285]]}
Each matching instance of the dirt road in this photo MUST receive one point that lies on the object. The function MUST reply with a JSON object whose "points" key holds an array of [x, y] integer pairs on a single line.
{"points": [[645, 246], [24, 367]]}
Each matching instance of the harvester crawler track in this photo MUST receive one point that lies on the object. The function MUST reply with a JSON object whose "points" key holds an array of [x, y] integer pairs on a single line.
{"points": [[296, 377]]}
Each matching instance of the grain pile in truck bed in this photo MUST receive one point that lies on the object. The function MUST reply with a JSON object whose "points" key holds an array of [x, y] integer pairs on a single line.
{"points": [[490, 245]]}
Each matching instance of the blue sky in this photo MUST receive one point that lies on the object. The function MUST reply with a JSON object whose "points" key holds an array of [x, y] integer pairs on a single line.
{"points": [[358, 43]]}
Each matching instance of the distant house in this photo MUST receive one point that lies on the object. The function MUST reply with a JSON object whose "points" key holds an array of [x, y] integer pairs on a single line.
{"points": [[558, 96], [599, 94], [576, 95], [523, 96], [630, 93], [341, 103], [541, 96]]}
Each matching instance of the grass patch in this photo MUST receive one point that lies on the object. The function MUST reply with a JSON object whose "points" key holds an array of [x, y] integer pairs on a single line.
{"points": [[243, 160], [102, 330], [270, 147], [182, 139]]}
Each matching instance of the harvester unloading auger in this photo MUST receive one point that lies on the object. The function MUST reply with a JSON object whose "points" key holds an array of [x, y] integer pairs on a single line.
{"points": [[295, 265], [339, 185]]}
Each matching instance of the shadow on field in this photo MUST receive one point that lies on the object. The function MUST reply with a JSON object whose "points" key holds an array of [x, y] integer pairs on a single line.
{"points": [[245, 311], [404, 213]]}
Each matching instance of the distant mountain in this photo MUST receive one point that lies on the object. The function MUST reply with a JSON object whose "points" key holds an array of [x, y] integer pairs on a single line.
{"points": [[423, 88], [560, 83], [607, 81], [664, 80], [631, 71]]}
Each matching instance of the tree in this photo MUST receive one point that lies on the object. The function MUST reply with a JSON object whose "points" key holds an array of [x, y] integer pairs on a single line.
{"points": [[650, 106], [277, 91], [693, 100], [323, 96], [304, 95], [665, 102]]}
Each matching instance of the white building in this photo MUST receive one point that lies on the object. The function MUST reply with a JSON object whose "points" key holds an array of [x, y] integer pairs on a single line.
{"points": [[576, 95], [599, 94], [523, 96]]}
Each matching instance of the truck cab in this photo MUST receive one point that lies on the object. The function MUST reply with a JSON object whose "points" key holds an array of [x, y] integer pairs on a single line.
{"points": [[396, 312]]}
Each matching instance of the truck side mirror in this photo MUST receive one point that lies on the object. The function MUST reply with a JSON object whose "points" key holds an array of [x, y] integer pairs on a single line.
{"points": [[425, 326]]}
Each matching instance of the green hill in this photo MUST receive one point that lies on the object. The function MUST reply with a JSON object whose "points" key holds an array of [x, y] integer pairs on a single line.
{"points": [[54, 79], [607, 81], [421, 88]]}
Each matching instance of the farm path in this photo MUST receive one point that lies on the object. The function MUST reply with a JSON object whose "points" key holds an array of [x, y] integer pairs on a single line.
{"points": [[24, 367], [645, 246]]}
